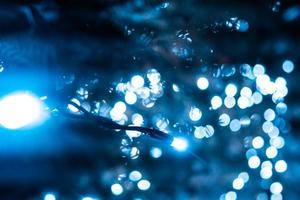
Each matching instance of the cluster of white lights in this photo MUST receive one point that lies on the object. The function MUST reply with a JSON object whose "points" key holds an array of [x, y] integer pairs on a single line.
{"points": [[135, 89]]}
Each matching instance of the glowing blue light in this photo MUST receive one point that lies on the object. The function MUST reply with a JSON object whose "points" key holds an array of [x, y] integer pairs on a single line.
{"points": [[180, 144], [21, 109], [116, 189], [88, 198], [156, 152], [288, 66], [49, 196]]}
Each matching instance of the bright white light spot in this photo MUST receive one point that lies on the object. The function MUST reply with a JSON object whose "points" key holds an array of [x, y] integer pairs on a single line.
{"points": [[216, 102], [235, 125], [120, 106], [231, 90], [137, 81], [224, 119], [238, 183], [180, 144], [49, 197], [288, 66], [280, 166], [130, 98], [135, 176], [254, 162], [276, 188], [144, 184], [153, 76], [88, 198], [258, 69], [243, 102], [269, 115], [116, 189], [276, 196], [271, 152], [246, 92], [195, 114], [229, 102], [21, 109], [244, 176], [202, 83], [175, 88], [281, 108], [231, 196], [137, 119], [266, 173], [258, 142], [73, 108], [133, 134], [155, 152], [277, 142]]}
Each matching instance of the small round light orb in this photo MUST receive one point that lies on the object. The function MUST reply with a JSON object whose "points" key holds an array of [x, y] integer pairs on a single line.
{"points": [[258, 142], [231, 90], [258, 69], [130, 98], [224, 119], [155, 152], [288, 66], [180, 144], [120, 106], [269, 115], [229, 102], [202, 83], [144, 184], [135, 176], [137, 119], [244, 176], [254, 162], [235, 125], [243, 102], [276, 188], [231, 195], [116, 189], [246, 92], [195, 114], [216, 102], [238, 183], [49, 196], [21, 109], [266, 173], [271, 152], [137, 81], [280, 166]]}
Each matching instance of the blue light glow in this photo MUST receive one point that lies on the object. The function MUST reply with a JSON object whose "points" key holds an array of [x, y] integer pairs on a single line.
{"points": [[180, 144], [20, 110]]}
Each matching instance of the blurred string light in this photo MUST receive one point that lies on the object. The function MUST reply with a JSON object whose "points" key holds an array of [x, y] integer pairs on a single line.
{"points": [[140, 91], [21, 109]]}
